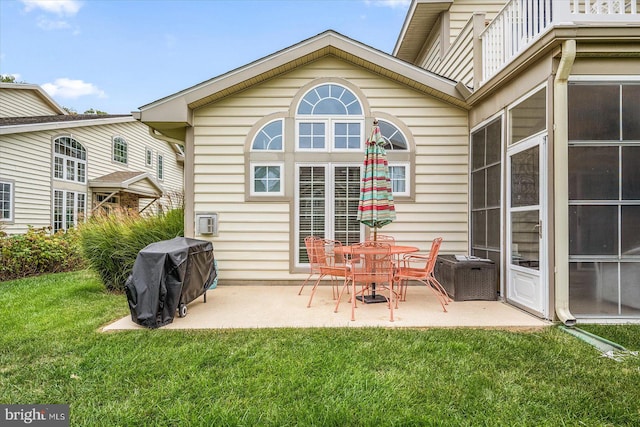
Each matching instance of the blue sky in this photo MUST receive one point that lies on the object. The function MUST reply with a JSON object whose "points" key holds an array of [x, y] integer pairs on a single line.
{"points": [[117, 55]]}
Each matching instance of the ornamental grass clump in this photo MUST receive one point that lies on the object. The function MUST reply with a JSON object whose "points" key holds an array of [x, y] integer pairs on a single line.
{"points": [[38, 252], [111, 241]]}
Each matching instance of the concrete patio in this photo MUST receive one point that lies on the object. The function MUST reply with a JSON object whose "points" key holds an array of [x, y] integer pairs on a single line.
{"points": [[229, 307]]}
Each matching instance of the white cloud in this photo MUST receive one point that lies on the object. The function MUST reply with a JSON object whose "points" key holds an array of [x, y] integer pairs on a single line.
{"points": [[59, 7], [72, 89]]}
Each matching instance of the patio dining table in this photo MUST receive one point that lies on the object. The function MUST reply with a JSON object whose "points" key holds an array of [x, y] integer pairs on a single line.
{"points": [[395, 250]]}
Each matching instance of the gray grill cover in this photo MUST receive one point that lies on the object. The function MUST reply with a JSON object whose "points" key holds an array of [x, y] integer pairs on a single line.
{"points": [[167, 274]]}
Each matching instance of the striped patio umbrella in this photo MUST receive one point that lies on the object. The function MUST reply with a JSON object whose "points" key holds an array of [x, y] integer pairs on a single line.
{"points": [[375, 208]]}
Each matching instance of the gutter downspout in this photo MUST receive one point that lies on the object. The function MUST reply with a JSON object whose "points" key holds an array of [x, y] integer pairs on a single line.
{"points": [[561, 184]]}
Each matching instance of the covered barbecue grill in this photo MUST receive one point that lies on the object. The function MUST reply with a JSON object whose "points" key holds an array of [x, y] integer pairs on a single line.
{"points": [[167, 276]]}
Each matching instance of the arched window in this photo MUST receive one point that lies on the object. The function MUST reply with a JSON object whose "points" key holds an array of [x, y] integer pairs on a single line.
{"points": [[329, 118], [394, 138], [269, 138], [119, 150], [70, 160], [399, 171], [330, 99]]}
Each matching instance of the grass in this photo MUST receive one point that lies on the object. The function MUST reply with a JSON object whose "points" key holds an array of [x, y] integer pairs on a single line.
{"points": [[51, 351]]}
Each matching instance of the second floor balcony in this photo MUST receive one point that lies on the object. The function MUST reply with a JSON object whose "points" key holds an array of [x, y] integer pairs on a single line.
{"points": [[521, 22]]}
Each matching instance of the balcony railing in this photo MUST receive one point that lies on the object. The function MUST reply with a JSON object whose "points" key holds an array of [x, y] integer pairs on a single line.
{"points": [[520, 22]]}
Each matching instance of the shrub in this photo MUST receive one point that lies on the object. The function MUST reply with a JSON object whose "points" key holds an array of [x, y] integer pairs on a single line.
{"points": [[111, 241], [38, 252]]}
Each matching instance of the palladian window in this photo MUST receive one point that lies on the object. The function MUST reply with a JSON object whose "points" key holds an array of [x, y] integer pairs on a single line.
{"points": [[70, 160]]}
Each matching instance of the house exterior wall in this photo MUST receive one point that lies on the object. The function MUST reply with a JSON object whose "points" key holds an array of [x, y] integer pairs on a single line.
{"points": [[26, 159], [453, 58], [31, 179], [457, 63], [462, 10], [255, 239], [23, 103]]}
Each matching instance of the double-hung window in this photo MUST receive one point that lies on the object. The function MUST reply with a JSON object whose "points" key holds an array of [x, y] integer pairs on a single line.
{"points": [[120, 150], [6, 201]]}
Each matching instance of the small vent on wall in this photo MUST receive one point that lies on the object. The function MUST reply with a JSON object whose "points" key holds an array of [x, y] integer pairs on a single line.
{"points": [[207, 224]]}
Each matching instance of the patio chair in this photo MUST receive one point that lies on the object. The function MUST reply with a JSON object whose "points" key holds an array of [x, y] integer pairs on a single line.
{"points": [[331, 262], [371, 264], [421, 268], [314, 259]]}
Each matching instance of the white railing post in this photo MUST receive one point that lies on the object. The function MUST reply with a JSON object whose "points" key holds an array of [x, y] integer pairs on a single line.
{"points": [[519, 22]]}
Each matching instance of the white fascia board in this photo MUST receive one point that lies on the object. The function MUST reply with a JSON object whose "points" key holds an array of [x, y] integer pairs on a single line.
{"points": [[182, 99], [35, 127]]}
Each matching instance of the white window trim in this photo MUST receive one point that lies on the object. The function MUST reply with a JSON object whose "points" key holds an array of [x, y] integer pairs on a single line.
{"points": [[12, 192], [113, 150], [329, 134], [160, 164], [407, 178], [255, 135], [252, 191], [65, 158], [329, 179], [76, 213], [150, 163]]}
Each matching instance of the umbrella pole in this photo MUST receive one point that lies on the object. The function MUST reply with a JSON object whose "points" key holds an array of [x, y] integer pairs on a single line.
{"points": [[375, 298]]}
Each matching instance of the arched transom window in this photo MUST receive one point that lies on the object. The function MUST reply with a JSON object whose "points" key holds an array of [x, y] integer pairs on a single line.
{"points": [[269, 138], [70, 160], [329, 118]]}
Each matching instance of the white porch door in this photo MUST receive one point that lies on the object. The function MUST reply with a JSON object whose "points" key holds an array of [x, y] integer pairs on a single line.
{"points": [[527, 284]]}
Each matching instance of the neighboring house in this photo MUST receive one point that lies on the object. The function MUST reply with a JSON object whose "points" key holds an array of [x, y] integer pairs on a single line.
{"points": [[57, 168], [513, 133]]}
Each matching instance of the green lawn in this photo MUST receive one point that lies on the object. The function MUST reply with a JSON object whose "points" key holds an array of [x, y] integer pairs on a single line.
{"points": [[51, 351]]}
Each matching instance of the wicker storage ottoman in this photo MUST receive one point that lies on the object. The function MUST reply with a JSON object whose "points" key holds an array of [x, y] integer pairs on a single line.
{"points": [[467, 280]]}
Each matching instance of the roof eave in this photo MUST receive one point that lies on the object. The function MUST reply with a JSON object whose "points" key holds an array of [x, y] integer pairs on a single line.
{"points": [[175, 110], [418, 26], [35, 127], [39, 91]]}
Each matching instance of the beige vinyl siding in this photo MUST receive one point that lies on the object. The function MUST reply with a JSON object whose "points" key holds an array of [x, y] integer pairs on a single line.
{"points": [[462, 10], [457, 63], [432, 57], [26, 159], [23, 103], [32, 179], [98, 142], [253, 241]]}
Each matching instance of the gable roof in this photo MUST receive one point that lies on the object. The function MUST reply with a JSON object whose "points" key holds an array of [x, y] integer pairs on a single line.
{"points": [[418, 25], [10, 125], [129, 182], [40, 93], [172, 114]]}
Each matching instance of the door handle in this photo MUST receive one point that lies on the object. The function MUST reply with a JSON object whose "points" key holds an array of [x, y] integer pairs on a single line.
{"points": [[539, 227]]}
